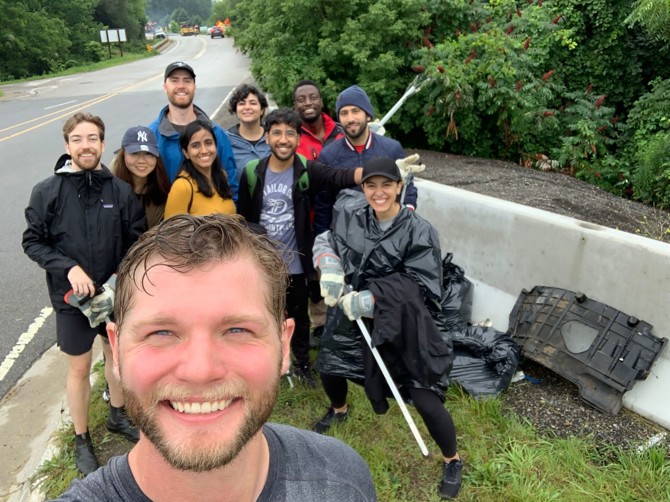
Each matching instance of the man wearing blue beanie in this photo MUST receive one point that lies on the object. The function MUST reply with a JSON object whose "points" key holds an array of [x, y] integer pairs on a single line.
{"points": [[358, 146], [354, 96]]}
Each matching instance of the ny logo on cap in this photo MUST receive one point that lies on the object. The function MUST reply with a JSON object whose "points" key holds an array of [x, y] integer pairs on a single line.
{"points": [[142, 136]]}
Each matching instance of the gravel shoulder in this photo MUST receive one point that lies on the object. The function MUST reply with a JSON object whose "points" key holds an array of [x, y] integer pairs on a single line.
{"points": [[549, 191]]}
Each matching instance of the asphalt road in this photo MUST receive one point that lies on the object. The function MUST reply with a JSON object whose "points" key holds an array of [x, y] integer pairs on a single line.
{"points": [[31, 118]]}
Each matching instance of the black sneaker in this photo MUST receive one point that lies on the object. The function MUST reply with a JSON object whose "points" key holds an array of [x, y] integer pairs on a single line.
{"points": [[305, 375], [119, 423], [451, 479], [330, 418], [84, 456]]}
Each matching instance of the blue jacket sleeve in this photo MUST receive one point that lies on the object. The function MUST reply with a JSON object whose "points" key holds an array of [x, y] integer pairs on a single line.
{"points": [[411, 193], [227, 157]]}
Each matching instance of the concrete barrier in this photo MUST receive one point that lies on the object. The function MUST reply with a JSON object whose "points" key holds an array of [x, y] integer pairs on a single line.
{"points": [[505, 247]]}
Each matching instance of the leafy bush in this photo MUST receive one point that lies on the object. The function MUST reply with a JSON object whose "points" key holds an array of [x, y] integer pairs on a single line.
{"points": [[494, 91], [506, 79], [589, 131], [652, 178], [650, 114], [94, 51]]}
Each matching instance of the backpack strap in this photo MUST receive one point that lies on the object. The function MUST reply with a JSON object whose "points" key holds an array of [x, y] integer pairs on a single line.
{"points": [[251, 175], [303, 182], [250, 168]]}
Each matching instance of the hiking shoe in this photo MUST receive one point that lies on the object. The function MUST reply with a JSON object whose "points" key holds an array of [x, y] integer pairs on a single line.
{"points": [[330, 418], [451, 479], [305, 375], [119, 423], [84, 456]]}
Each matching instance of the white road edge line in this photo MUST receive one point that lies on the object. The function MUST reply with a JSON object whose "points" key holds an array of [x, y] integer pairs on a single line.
{"points": [[24, 339], [225, 100], [60, 104]]}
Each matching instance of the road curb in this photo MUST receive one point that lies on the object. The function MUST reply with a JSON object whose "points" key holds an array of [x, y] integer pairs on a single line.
{"points": [[31, 414]]}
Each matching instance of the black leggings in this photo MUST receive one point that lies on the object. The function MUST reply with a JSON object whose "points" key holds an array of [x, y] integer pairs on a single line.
{"points": [[437, 418]]}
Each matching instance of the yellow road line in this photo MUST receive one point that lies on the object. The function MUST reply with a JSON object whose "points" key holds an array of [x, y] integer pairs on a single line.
{"points": [[57, 115], [61, 115]]}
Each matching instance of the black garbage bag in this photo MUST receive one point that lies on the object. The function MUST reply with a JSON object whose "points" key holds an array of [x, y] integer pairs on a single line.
{"points": [[485, 360], [457, 297]]}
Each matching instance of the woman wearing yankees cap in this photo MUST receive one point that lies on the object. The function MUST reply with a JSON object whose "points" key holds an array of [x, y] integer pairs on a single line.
{"points": [[138, 163]]}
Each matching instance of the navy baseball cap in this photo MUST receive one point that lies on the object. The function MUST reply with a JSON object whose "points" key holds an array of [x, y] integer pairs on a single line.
{"points": [[140, 139]]}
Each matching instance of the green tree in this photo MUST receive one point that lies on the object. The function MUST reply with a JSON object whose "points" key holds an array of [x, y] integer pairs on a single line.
{"points": [[159, 9], [25, 50], [80, 24], [224, 9], [127, 14], [180, 16], [654, 16], [335, 43]]}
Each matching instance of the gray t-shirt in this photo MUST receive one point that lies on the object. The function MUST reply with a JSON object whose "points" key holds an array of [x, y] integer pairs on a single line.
{"points": [[304, 467], [277, 215]]}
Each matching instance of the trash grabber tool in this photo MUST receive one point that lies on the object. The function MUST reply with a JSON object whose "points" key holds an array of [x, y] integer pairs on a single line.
{"points": [[415, 86], [392, 386], [412, 89]]}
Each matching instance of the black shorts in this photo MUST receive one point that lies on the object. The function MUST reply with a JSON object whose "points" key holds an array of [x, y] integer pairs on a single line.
{"points": [[74, 335]]}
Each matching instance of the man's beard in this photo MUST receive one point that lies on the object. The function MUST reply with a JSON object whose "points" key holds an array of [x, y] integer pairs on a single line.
{"points": [[361, 131], [182, 105], [95, 164], [276, 153], [211, 454]]}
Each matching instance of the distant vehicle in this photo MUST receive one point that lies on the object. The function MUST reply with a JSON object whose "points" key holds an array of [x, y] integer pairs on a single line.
{"points": [[159, 34], [188, 29], [216, 32]]}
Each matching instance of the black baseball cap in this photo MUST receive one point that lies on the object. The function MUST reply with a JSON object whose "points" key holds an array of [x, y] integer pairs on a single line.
{"points": [[381, 166], [178, 65]]}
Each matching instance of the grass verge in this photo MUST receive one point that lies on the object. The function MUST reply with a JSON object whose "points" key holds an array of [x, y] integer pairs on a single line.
{"points": [[505, 459], [115, 60]]}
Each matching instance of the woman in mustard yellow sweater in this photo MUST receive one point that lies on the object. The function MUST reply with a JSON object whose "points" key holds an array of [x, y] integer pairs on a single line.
{"points": [[201, 186]]}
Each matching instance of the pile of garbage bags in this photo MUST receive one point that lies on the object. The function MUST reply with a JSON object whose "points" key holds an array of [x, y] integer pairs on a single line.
{"points": [[485, 359]]}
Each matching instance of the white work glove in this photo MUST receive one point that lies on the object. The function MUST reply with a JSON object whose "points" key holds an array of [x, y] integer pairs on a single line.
{"points": [[98, 308], [102, 305], [332, 278], [358, 304], [409, 165], [376, 127]]}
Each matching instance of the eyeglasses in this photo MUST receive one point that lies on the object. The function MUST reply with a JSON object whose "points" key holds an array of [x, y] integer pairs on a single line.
{"points": [[278, 133]]}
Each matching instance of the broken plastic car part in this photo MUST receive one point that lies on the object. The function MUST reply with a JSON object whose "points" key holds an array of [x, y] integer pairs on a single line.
{"points": [[600, 349]]}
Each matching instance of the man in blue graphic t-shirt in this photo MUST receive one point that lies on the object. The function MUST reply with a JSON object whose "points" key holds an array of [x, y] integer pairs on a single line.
{"points": [[280, 195]]}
